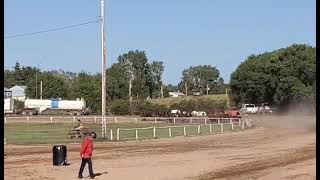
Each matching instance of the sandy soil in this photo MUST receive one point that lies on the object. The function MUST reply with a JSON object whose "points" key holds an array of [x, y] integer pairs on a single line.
{"points": [[269, 151]]}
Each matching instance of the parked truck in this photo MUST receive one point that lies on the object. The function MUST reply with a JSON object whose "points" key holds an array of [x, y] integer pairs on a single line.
{"points": [[47, 106], [249, 109]]}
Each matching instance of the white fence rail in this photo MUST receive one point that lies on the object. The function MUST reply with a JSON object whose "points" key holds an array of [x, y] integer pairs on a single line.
{"points": [[97, 119], [243, 124], [62, 119]]}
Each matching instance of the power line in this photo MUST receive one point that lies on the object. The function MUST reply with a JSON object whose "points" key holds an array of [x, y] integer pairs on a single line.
{"points": [[55, 29]]}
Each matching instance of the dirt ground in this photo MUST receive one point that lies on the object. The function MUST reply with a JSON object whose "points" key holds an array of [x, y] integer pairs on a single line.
{"points": [[277, 148]]}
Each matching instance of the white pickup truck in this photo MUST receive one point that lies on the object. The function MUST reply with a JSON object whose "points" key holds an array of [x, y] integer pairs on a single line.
{"points": [[249, 109]]}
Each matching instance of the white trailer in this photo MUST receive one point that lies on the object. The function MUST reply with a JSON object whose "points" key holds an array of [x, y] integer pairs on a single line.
{"points": [[8, 106], [39, 106]]}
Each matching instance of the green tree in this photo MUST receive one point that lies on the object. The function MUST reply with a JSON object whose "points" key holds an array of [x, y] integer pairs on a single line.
{"points": [[156, 70], [89, 88], [197, 78], [18, 75], [8, 79], [117, 82], [138, 70], [281, 77], [53, 87]]}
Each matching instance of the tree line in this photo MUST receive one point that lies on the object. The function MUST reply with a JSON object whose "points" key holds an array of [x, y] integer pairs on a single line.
{"points": [[283, 77], [132, 72]]}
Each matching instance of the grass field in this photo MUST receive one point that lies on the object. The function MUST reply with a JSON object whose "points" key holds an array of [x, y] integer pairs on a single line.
{"points": [[170, 100], [47, 133]]}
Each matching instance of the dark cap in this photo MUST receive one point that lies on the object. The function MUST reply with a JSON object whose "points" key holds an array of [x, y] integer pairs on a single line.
{"points": [[93, 135]]}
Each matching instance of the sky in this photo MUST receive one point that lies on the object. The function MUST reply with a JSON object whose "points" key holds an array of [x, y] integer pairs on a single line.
{"points": [[181, 33]]}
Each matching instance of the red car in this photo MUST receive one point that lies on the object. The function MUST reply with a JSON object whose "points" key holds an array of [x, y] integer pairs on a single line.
{"points": [[232, 112]]}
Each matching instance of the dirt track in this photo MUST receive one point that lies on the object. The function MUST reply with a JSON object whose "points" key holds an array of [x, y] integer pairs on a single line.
{"points": [[265, 152]]}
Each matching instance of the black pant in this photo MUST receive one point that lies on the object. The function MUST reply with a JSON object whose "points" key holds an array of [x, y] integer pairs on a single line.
{"points": [[83, 164]]}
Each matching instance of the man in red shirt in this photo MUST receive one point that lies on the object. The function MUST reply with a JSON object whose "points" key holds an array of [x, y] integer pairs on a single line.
{"points": [[86, 153]]}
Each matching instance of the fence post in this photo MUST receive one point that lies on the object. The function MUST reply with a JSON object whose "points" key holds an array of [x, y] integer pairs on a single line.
{"points": [[136, 133], [155, 120], [111, 135], [218, 120], [95, 119], [74, 119], [191, 120], [221, 126], [118, 134], [5, 120], [239, 122], [184, 131], [28, 120], [232, 128], [5, 141], [243, 126], [174, 120], [51, 119], [115, 120], [169, 131], [136, 119], [205, 120], [198, 129], [210, 128], [230, 120], [154, 132]]}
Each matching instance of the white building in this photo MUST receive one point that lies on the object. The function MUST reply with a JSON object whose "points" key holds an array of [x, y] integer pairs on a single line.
{"points": [[7, 93], [18, 92], [176, 94]]}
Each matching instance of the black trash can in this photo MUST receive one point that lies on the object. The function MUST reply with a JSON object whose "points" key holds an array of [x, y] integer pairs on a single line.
{"points": [[59, 155]]}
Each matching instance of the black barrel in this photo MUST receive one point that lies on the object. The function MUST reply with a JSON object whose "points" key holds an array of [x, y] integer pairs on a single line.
{"points": [[59, 155]]}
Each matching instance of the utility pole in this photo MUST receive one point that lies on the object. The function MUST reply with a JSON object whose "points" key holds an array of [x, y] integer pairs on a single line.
{"points": [[161, 91], [36, 84], [103, 59], [185, 84], [130, 86], [40, 89], [37, 80], [228, 103], [130, 98]]}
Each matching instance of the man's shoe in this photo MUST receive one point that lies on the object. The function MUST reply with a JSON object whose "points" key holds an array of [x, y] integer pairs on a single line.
{"points": [[92, 177], [80, 177]]}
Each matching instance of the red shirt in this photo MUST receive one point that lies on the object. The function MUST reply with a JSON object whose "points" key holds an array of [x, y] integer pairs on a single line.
{"points": [[86, 148]]}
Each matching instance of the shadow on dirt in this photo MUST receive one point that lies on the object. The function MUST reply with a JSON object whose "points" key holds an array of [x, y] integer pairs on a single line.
{"points": [[99, 174]]}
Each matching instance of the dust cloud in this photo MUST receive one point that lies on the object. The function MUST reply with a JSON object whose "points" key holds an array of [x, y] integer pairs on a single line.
{"points": [[300, 116]]}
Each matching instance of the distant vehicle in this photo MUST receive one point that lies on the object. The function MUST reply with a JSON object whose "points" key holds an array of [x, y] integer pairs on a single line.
{"points": [[46, 106], [175, 113], [78, 133], [185, 114], [249, 109], [265, 109], [232, 112], [198, 113], [196, 93]]}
